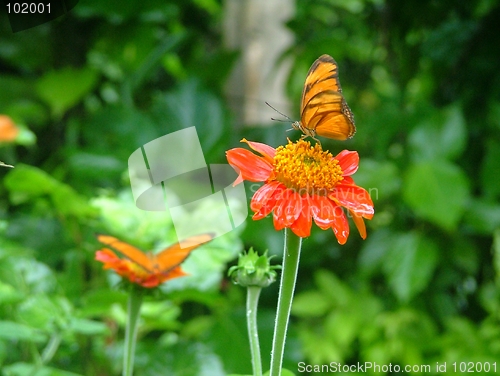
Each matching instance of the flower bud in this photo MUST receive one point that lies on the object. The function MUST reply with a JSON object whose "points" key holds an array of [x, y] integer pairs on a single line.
{"points": [[253, 270]]}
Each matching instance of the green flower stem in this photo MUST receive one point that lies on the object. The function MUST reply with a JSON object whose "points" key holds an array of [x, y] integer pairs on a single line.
{"points": [[134, 308], [253, 293], [291, 257]]}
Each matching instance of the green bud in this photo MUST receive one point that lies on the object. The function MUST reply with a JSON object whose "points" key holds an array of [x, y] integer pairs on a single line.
{"points": [[253, 270]]}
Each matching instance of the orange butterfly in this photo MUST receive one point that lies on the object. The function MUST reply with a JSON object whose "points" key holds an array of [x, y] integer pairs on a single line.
{"points": [[148, 269], [323, 109]]}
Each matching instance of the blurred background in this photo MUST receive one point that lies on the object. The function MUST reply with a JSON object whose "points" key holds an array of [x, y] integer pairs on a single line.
{"points": [[79, 94]]}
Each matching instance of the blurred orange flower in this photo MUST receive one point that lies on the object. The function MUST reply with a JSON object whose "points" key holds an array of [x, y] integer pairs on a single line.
{"points": [[8, 130], [304, 183], [147, 269]]}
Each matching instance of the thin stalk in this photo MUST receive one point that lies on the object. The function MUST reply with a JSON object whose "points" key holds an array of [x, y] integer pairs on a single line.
{"points": [[253, 293], [51, 348], [134, 308], [291, 258]]}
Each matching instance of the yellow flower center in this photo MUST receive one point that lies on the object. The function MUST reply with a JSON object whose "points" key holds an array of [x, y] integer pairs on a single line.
{"points": [[137, 270], [306, 168]]}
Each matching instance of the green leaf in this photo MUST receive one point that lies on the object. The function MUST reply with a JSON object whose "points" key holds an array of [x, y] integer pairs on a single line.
{"points": [[342, 327], [27, 182], [192, 106], [310, 304], [437, 191], [463, 255], [64, 88], [88, 327], [112, 9], [374, 250], [97, 302], [443, 135], [489, 170], [333, 288], [211, 6], [489, 296], [496, 253], [444, 43], [160, 316], [181, 359], [483, 216], [88, 166], [380, 179], [42, 312], [13, 331], [116, 131], [27, 112], [317, 347], [409, 264], [21, 369], [9, 294], [68, 202]]}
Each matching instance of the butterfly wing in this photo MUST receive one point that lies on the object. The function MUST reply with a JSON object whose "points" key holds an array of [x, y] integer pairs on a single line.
{"points": [[130, 252], [329, 116], [323, 75], [324, 110], [174, 255]]}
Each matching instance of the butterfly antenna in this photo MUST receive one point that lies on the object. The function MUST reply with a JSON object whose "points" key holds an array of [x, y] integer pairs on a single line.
{"points": [[279, 112], [281, 120]]}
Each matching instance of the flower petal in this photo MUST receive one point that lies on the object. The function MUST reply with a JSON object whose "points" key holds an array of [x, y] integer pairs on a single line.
{"points": [[249, 166], [287, 209], [8, 130], [264, 200], [323, 211], [340, 226], [347, 181], [354, 198], [302, 226], [106, 255], [348, 161], [360, 224], [156, 279], [150, 282], [111, 260], [268, 152]]}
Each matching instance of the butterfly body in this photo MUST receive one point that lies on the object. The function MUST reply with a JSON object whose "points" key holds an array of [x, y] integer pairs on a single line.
{"points": [[324, 111]]}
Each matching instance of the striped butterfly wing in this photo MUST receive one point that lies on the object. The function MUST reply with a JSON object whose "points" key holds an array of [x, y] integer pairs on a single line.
{"points": [[324, 110], [174, 255], [130, 252]]}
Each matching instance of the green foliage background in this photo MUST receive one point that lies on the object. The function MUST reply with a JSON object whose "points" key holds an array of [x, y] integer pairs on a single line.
{"points": [[91, 87]]}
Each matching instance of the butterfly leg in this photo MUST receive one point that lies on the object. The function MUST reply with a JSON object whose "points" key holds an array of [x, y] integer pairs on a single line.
{"points": [[310, 135]]}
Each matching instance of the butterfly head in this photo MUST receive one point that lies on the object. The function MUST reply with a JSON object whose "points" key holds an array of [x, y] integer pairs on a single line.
{"points": [[297, 126], [306, 132]]}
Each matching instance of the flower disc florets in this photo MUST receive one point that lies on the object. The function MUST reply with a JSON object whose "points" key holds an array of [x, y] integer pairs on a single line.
{"points": [[306, 169]]}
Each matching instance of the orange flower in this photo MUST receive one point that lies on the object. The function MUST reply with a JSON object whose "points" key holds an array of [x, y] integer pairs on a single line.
{"points": [[133, 271], [148, 269], [8, 130], [304, 183]]}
